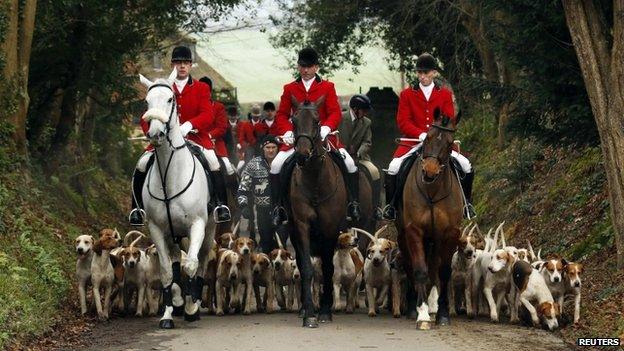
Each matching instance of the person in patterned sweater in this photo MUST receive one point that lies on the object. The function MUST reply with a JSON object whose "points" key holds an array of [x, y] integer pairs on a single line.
{"points": [[254, 192]]}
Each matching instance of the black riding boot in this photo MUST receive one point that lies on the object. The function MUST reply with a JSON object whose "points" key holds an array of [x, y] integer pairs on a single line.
{"points": [[353, 208], [221, 211], [137, 215], [278, 215], [389, 212], [376, 187], [469, 210]]}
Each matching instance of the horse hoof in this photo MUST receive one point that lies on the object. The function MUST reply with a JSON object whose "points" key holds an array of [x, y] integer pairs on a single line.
{"points": [[423, 325], [325, 318], [191, 317], [166, 324], [443, 320], [310, 322], [178, 311]]}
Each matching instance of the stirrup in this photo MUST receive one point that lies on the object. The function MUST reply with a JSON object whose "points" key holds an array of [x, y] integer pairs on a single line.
{"points": [[226, 215], [469, 212], [279, 216], [353, 211], [137, 222], [389, 213]]}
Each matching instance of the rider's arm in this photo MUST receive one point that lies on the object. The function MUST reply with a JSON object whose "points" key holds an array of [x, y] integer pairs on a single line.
{"points": [[205, 116], [406, 119], [448, 107], [220, 125], [332, 107], [367, 141]]}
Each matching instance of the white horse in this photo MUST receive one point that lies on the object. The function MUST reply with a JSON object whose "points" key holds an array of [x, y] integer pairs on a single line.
{"points": [[175, 198]]}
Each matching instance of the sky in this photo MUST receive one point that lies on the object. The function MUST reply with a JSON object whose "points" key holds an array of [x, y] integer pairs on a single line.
{"points": [[246, 58]]}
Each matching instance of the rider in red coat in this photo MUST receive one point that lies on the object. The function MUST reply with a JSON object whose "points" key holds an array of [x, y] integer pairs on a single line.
{"points": [[195, 114], [414, 118], [267, 126], [310, 87]]}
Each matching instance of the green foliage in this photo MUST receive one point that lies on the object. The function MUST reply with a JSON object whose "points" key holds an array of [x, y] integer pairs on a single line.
{"points": [[529, 42], [600, 237]]}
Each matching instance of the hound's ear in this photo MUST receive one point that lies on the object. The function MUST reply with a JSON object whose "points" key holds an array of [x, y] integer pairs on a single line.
{"points": [[172, 76], [294, 102], [564, 262], [543, 265], [319, 102], [92, 238], [148, 83]]}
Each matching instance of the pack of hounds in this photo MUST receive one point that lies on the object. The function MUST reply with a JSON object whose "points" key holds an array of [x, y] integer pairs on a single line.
{"points": [[488, 277]]}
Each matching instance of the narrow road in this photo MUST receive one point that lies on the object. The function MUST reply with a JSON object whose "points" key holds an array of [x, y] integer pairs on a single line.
{"points": [[283, 332]]}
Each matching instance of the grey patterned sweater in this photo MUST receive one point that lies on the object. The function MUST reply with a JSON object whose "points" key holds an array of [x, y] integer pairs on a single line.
{"points": [[254, 183]]}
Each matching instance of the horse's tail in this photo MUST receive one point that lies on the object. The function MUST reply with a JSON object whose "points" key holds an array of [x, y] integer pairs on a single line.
{"points": [[362, 231], [279, 241]]}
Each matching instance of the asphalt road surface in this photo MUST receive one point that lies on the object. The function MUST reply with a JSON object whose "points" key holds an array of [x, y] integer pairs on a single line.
{"points": [[283, 332]]}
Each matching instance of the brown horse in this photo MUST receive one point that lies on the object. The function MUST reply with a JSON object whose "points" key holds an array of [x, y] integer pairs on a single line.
{"points": [[318, 201], [429, 223]]}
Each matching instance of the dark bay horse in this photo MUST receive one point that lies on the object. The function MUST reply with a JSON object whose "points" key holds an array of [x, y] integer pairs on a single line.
{"points": [[318, 201], [429, 223]]}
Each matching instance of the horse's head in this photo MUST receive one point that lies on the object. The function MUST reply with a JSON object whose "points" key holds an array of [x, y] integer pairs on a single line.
{"points": [[437, 146], [161, 108], [307, 127]]}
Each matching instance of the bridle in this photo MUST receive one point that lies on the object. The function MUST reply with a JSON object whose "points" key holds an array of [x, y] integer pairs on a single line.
{"points": [[444, 163], [163, 177], [312, 138]]}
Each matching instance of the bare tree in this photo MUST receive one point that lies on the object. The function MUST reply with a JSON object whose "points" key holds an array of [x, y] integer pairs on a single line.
{"points": [[600, 52], [17, 48]]}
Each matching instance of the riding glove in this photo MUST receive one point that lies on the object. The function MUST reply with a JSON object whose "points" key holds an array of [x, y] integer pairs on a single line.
{"points": [[422, 136], [185, 128], [288, 138], [325, 130]]}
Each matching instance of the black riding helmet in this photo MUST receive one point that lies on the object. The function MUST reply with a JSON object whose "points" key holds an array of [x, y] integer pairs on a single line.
{"points": [[360, 102]]}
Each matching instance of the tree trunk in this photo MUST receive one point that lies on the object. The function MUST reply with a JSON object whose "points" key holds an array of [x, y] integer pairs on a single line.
{"points": [[603, 73], [17, 48]]}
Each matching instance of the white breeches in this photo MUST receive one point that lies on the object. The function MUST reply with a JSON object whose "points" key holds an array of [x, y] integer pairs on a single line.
{"points": [[213, 161], [228, 166], [395, 164], [240, 165], [280, 158], [351, 167]]}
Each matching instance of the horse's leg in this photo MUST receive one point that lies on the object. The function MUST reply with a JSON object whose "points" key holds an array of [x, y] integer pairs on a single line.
{"points": [[416, 256], [195, 269], [326, 300], [301, 241], [166, 275], [445, 255]]}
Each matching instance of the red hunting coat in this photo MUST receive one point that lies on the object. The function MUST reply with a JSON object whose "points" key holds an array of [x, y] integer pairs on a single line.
{"points": [[329, 113], [415, 113], [245, 133], [194, 106], [261, 129], [219, 128]]}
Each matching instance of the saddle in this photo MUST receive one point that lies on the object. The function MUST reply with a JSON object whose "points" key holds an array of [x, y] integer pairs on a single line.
{"points": [[197, 152], [406, 166]]}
